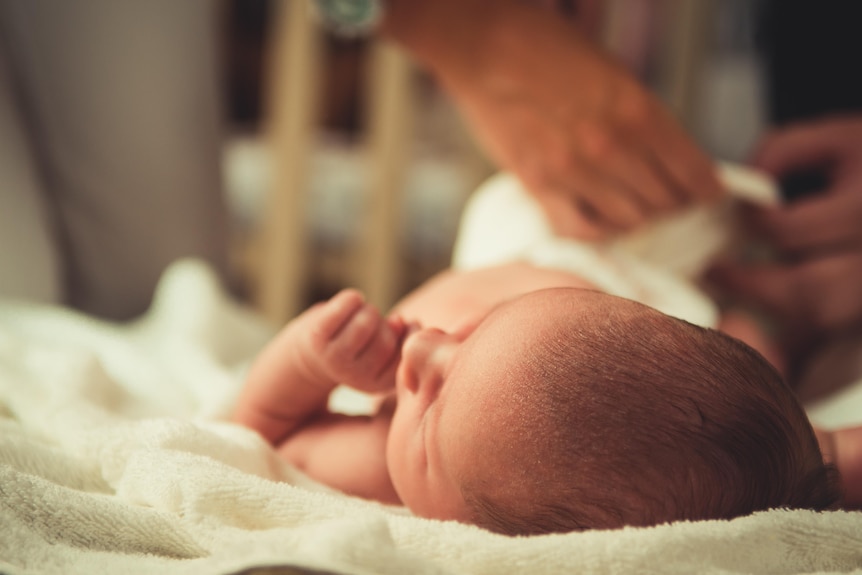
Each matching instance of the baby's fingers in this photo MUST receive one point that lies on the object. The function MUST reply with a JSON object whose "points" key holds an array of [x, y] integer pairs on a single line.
{"points": [[330, 318], [353, 343], [355, 335], [377, 363], [371, 368]]}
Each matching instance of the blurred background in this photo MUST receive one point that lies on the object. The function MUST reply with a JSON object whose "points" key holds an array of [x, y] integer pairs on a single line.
{"points": [[366, 170], [369, 128], [347, 165], [343, 162]]}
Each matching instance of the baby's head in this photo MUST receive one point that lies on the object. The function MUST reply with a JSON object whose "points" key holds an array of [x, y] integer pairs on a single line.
{"points": [[569, 409]]}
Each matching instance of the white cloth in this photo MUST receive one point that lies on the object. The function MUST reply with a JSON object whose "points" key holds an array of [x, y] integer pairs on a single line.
{"points": [[656, 266], [114, 458]]}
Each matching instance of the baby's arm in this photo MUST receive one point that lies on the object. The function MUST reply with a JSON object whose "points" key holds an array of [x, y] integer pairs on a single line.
{"points": [[341, 341]]}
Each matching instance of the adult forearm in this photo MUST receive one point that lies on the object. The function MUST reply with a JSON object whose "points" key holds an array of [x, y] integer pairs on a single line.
{"points": [[599, 152], [451, 37], [425, 27], [477, 47]]}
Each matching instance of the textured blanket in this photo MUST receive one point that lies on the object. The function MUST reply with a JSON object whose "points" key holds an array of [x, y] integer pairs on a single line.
{"points": [[115, 458]]}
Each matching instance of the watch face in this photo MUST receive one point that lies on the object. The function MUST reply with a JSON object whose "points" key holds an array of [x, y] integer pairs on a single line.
{"points": [[350, 13]]}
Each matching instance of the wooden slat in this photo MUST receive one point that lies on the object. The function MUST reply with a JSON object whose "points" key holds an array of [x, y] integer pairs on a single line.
{"points": [[379, 272], [683, 55], [294, 74]]}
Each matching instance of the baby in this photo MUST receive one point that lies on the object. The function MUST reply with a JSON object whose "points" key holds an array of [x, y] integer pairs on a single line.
{"points": [[522, 400]]}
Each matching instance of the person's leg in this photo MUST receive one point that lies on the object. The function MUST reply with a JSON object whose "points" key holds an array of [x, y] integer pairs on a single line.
{"points": [[123, 99], [29, 266]]}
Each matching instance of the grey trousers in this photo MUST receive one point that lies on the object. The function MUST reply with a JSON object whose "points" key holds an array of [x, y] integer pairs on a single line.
{"points": [[110, 143]]}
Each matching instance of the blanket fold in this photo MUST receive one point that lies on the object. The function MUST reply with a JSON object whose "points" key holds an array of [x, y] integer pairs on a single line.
{"points": [[116, 457]]}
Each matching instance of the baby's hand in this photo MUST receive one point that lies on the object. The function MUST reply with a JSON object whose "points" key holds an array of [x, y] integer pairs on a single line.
{"points": [[350, 343]]}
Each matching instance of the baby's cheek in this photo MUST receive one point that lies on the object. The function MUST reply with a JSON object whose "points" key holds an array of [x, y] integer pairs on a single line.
{"points": [[396, 449], [406, 459]]}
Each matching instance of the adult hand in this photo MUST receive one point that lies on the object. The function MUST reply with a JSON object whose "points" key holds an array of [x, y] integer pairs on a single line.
{"points": [[594, 146], [811, 297], [816, 285]]}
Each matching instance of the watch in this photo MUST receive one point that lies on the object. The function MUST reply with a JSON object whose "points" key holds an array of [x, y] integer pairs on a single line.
{"points": [[350, 17]]}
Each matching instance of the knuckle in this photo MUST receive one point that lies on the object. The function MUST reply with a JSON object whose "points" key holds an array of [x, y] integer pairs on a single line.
{"points": [[386, 343], [337, 356], [318, 342], [366, 320], [629, 216], [355, 336], [695, 175], [376, 355], [663, 200], [635, 110], [597, 142], [653, 193], [618, 209]]}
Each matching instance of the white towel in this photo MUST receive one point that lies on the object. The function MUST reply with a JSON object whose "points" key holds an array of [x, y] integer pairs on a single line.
{"points": [[114, 458], [657, 265]]}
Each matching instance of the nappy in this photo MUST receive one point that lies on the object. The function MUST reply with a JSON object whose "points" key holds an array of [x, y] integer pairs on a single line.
{"points": [[656, 265]]}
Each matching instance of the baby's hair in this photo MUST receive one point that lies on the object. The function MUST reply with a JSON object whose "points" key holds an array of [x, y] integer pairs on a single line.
{"points": [[646, 419]]}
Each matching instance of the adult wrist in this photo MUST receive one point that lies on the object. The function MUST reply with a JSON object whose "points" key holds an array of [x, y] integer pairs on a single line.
{"points": [[448, 36], [475, 45]]}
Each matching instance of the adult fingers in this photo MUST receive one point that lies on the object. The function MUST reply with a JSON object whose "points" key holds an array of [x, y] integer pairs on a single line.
{"points": [[580, 196], [799, 146], [817, 295], [623, 158], [569, 218], [693, 174], [828, 221], [767, 285], [614, 204], [833, 290]]}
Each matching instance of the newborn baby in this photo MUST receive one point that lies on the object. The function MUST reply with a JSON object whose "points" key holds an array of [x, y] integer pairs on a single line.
{"points": [[520, 400]]}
